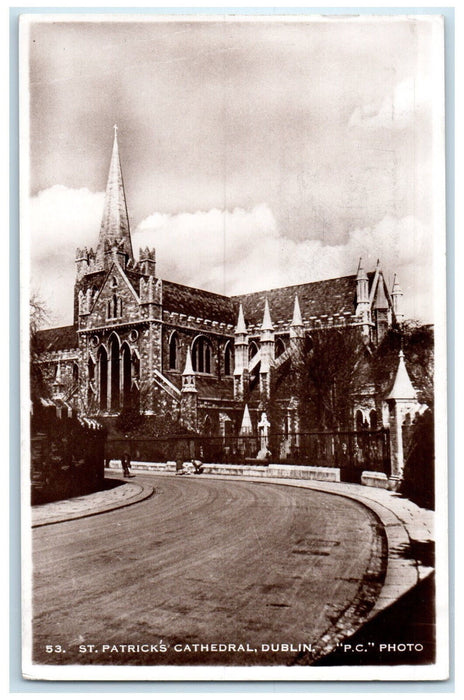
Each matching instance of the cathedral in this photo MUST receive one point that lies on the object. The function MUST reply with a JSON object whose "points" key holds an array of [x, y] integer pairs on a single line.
{"points": [[139, 341]]}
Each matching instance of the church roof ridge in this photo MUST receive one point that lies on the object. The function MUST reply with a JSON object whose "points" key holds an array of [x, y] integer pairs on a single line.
{"points": [[195, 289], [237, 297]]}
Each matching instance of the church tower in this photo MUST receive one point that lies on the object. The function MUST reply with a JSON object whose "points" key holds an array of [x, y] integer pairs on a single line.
{"points": [[114, 239], [117, 310]]}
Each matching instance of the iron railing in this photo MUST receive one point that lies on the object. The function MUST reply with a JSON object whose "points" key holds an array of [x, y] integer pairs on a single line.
{"points": [[351, 451]]}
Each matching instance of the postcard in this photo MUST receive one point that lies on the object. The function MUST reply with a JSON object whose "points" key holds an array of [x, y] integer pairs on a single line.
{"points": [[233, 327]]}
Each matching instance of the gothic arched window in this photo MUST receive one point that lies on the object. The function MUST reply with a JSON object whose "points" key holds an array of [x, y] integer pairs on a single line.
{"points": [[114, 307], [252, 349], [91, 390], [91, 370], [126, 374], [279, 347], [114, 371], [102, 359], [135, 366], [173, 351], [229, 359], [201, 355]]}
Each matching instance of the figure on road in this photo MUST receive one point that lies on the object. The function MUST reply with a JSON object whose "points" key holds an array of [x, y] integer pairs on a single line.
{"points": [[125, 461]]}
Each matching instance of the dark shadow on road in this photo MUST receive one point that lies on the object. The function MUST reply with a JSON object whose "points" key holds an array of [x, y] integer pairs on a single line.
{"points": [[423, 552], [110, 484], [402, 634]]}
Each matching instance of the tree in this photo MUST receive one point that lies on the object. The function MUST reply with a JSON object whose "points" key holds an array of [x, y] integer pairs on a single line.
{"points": [[162, 421], [419, 468], [328, 375], [38, 317], [417, 342]]}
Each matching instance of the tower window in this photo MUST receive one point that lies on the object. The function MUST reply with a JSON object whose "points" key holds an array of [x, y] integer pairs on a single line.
{"points": [[114, 307]]}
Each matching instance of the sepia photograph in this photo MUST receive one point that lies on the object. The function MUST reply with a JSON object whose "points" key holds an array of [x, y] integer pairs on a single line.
{"points": [[233, 347]]}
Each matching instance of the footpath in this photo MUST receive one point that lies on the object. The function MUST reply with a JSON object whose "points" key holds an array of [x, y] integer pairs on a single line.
{"points": [[409, 529], [120, 496]]}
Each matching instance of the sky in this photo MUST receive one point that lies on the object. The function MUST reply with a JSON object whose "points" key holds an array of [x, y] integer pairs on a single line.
{"points": [[254, 154]]}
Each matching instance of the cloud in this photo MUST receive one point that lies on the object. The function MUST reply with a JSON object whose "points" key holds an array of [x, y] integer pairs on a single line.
{"points": [[226, 251], [61, 219], [396, 111], [236, 251]]}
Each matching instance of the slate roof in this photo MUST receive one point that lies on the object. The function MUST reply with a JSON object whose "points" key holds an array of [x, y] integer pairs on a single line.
{"points": [[199, 303], [63, 338], [325, 297]]}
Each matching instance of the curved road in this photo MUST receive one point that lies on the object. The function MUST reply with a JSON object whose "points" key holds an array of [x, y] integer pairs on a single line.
{"points": [[204, 561]]}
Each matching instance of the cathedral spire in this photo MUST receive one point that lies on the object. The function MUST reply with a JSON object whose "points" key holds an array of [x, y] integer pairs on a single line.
{"points": [[114, 228]]}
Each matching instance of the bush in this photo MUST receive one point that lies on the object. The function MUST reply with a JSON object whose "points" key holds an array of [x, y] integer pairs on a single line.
{"points": [[419, 468]]}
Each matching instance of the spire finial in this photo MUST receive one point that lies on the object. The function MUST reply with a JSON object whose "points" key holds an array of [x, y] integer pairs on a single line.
{"points": [[267, 323], [241, 326], [361, 275], [246, 428], [188, 371], [296, 320], [396, 289], [115, 129], [402, 386]]}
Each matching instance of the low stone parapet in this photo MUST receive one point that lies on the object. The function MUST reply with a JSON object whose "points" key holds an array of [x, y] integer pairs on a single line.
{"points": [[276, 471], [377, 479], [331, 474], [145, 466]]}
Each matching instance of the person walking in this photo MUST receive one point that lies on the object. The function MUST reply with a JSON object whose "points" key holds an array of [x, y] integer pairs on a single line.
{"points": [[125, 461]]}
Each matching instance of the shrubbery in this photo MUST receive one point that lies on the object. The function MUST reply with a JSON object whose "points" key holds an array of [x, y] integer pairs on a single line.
{"points": [[419, 469]]}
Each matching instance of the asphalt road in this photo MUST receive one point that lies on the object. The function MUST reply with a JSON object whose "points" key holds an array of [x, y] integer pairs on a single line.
{"points": [[204, 562]]}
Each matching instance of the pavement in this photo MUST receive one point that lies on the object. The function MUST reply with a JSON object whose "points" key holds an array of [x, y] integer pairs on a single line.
{"points": [[409, 529], [121, 496]]}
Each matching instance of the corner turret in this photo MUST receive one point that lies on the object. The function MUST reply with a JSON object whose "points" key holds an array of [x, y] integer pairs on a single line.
{"points": [[147, 261], [397, 300]]}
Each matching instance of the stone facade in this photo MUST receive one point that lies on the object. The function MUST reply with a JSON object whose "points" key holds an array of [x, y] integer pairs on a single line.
{"points": [[140, 341]]}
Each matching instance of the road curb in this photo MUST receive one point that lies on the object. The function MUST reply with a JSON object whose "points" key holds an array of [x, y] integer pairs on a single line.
{"points": [[141, 493], [401, 575]]}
